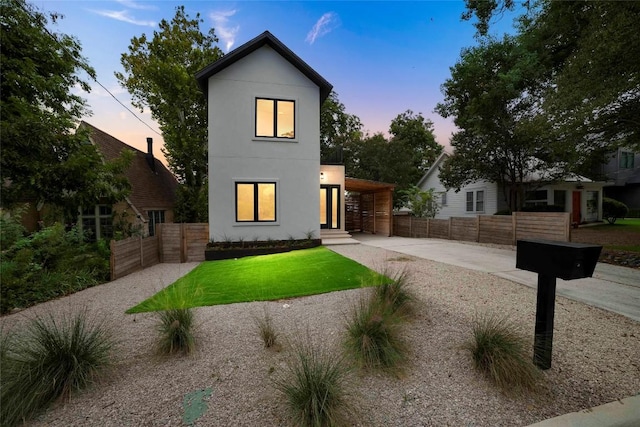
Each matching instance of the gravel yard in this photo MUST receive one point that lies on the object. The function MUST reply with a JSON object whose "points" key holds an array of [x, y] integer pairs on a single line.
{"points": [[596, 357]]}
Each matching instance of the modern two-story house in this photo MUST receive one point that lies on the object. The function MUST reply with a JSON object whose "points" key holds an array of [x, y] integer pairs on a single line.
{"points": [[264, 135]]}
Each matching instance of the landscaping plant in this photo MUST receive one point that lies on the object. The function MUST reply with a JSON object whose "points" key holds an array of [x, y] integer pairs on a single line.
{"points": [[50, 359], [373, 334], [500, 352], [394, 294], [266, 329], [315, 386], [175, 330]]}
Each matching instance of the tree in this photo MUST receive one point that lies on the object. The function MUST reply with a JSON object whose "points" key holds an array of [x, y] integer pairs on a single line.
{"points": [[415, 134], [401, 160], [338, 129], [42, 156], [159, 74], [590, 65], [493, 97], [423, 203], [590, 55]]}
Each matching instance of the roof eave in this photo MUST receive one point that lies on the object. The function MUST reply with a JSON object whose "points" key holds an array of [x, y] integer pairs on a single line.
{"points": [[263, 39]]}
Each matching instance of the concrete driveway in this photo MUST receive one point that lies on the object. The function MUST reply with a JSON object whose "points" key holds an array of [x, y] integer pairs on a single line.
{"points": [[612, 288]]}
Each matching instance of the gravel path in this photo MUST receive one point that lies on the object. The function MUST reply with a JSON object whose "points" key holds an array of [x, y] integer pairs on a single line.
{"points": [[596, 356]]}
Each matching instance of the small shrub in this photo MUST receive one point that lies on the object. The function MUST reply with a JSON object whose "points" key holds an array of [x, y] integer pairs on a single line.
{"points": [[503, 212], [175, 330], [613, 209], [266, 329], [49, 360], [394, 294], [373, 335], [315, 386], [501, 353]]}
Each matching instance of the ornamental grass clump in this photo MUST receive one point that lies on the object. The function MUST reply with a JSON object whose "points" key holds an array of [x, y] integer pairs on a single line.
{"points": [[394, 294], [175, 331], [266, 330], [50, 359], [315, 385], [503, 354], [374, 338]]}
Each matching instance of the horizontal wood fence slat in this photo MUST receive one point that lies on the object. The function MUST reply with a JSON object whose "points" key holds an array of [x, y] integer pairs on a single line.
{"points": [[497, 229], [173, 243]]}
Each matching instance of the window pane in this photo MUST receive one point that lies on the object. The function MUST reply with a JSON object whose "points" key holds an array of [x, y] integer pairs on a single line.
{"points": [[323, 206], [264, 117], [105, 210], [335, 200], [470, 201], [267, 202], [480, 201], [286, 119], [443, 202], [244, 202], [106, 228]]}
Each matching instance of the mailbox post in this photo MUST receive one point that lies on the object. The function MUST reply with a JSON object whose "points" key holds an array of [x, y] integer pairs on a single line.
{"points": [[551, 259]]}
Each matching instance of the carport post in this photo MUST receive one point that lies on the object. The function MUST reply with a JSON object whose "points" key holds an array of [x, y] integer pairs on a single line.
{"points": [[543, 341]]}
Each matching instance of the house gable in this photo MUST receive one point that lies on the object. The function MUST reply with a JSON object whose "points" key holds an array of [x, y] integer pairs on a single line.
{"points": [[153, 187]]}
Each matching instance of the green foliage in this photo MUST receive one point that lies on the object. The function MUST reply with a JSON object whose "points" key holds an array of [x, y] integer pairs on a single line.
{"points": [[175, 331], [423, 203], [48, 264], [500, 352], [394, 294], [49, 360], [338, 129], [39, 112], [484, 10], [373, 333], [402, 160], [266, 330], [11, 228], [315, 386], [159, 74], [613, 209], [503, 212]]}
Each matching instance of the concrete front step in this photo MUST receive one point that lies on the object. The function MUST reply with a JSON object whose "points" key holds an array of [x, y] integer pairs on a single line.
{"points": [[337, 237]]}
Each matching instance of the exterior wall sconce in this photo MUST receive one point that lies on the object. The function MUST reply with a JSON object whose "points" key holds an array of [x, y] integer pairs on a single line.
{"points": [[321, 176]]}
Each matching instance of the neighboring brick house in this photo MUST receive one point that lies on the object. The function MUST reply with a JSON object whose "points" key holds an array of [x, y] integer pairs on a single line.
{"points": [[153, 190]]}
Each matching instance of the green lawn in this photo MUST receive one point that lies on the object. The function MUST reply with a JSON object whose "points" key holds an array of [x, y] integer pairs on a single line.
{"points": [[622, 225], [262, 278]]}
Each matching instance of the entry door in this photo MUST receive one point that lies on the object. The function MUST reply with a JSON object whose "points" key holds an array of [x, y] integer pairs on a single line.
{"points": [[575, 208], [330, 207]]}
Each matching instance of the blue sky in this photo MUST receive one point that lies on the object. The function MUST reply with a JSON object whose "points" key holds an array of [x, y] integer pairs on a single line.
{"points": [[381, 57]]}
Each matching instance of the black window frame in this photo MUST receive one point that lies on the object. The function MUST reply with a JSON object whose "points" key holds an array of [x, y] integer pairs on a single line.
{"points": [[275, 118], [256, 198], [153, 216]]}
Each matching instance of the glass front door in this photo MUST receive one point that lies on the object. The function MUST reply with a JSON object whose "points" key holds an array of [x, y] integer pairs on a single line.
{"points": [[330, 207]]}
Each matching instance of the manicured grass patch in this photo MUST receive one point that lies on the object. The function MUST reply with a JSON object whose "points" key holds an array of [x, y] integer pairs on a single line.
{"points": [[262, 278], [622, 225], [627, 248]]}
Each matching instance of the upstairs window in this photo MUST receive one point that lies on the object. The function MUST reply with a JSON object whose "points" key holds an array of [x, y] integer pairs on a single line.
{"points": [[275, 118], [255, 201]]}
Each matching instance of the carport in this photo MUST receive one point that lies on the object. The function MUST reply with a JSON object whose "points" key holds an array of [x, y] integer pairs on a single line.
{"points": [[369, 206]]}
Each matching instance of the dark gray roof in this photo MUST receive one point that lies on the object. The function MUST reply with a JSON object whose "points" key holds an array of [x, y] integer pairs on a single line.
{"points": [[269, 39]]}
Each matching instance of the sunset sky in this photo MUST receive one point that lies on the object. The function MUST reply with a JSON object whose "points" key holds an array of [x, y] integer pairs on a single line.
{"points": [[381, 57]]}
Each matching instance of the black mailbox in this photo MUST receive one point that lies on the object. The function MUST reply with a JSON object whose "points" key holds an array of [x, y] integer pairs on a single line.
{"points": [[565, 260], [551, 259]]}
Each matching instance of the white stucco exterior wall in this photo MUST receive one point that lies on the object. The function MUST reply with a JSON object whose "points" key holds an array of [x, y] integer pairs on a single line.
{"points": [[235, 154]]}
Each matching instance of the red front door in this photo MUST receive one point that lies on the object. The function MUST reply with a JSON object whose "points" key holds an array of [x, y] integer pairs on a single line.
{"points": [[575, 208]]}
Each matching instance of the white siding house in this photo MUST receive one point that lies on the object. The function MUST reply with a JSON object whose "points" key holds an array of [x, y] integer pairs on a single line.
{"points": [[264, 142], [478, 198], [577, 195]]}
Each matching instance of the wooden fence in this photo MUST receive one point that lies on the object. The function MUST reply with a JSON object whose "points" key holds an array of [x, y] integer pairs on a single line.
{"points": [[498, 229], [173, 243]]}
